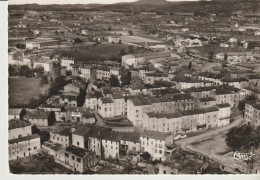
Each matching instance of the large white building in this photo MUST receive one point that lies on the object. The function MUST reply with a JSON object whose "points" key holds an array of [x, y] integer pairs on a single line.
{"points": [[68, 63], [155, 143]]}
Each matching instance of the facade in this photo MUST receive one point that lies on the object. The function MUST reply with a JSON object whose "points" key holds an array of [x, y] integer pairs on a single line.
{"points": [[85, 72], [106, 107], [252, 113], [24, 146], [18, 128], [14, 113], [21, 141], [62, 137], [47, 64], [224, 114], [68, 63], [162, 122], [80, 159], [33, 45], [68, 100], [154, 143]]}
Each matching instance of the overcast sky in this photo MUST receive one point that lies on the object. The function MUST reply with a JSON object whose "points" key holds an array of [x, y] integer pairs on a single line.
{"points": [[74, 1]]}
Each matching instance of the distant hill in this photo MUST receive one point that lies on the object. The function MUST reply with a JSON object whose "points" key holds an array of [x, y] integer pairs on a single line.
{"points": [[152, 2], [160, 6], [215, 6]]}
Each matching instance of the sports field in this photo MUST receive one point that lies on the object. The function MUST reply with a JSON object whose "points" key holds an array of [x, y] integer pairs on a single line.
{"points": [[99, 52], [21, 90]]}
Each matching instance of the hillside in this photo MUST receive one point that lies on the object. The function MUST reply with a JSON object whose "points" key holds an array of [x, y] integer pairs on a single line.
{"points": [[160, 6]]}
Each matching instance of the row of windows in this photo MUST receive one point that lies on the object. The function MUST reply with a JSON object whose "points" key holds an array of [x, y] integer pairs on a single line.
{"points": [[59, 139]]}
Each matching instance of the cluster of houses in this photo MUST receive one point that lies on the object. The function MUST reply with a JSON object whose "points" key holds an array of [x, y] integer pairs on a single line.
{"points": [[95, 143]]}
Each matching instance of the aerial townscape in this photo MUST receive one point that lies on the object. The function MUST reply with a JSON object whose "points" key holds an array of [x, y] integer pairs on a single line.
{"points": [[144, 87]]}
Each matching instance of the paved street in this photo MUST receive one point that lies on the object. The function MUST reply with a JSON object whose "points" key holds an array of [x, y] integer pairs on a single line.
{"points": [[184, 142], [99, 121]]}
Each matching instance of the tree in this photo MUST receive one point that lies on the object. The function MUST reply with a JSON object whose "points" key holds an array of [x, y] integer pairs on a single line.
{"points": [[125, 76], [68, 73], [26, 71], [190, 65], [113, 81], [146, 156], [211, 55], [130, 33], [122, 52], [241, 105], [13, 70], [44, 80], [51, 118], [39, 70], [22, 113], [225, 57], [77, 40], [244, 136], [131, 48], [20, 46]]}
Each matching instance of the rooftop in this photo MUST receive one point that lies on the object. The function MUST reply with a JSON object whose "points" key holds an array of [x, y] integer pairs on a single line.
{"points": [[223, 105], [106, 100], [13, 124], [80, 152], [25, 138], [154, 135], [14, 111], [37, 114]]}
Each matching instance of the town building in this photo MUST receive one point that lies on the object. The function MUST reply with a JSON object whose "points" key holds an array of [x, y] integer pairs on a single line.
{"points": [[62, 137], [252, 111], [21, 141], [40, 117]]}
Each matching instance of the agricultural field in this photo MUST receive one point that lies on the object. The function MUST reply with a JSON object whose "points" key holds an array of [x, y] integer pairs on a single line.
{"points": [[22, 89]]}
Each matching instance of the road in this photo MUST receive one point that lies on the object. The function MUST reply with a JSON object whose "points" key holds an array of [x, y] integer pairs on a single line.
{"points": [[99, 121], [184, 142]]}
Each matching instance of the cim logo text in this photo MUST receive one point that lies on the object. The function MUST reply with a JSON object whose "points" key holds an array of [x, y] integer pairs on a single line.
{"points": [[243, 156]]}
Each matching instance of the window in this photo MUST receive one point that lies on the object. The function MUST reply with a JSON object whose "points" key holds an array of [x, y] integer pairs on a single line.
{"points": [[73, 157], [78, 159], [164, 172], [66, 154], [35, 147], [160, 151], [111, 147], [29, 149], [78, 143]]}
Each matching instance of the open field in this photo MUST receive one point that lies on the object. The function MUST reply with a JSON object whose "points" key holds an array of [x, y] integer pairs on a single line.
{"points": [[209, 145], [37, 164], [98, 52], [138, 39], [22, 89]]}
